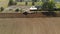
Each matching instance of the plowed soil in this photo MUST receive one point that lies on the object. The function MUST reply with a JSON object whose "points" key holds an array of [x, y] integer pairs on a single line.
{"points": [[30, 25]]}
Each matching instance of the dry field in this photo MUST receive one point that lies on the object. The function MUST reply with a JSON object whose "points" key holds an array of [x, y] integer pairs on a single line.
{"points": [[30, 25]]}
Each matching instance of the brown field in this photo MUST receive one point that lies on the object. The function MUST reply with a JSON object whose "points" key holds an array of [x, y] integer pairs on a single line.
{"points": [[30, 25]]}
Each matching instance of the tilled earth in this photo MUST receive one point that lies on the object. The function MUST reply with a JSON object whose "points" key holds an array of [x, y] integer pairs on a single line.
{"points": [[30, 25]]}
